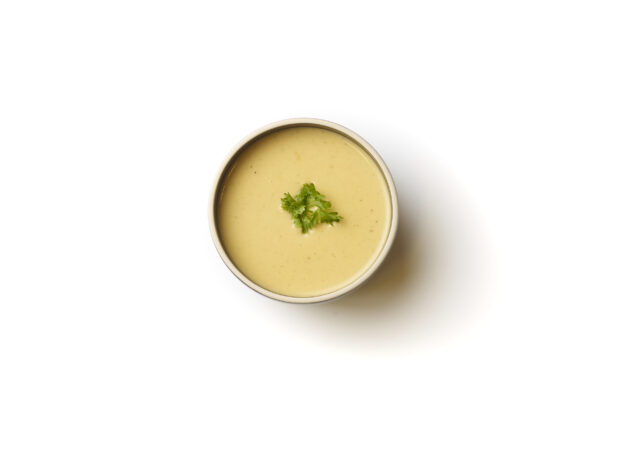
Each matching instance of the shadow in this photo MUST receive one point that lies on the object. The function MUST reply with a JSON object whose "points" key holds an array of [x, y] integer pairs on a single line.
{"points": [[431, 285]]}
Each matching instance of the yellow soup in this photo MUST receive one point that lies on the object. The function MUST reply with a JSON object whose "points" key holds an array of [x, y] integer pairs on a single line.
{"points": [[260, 237]]}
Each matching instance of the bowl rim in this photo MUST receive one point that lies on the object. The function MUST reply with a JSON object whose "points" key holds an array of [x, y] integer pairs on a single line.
{"points": [[303, 122]]}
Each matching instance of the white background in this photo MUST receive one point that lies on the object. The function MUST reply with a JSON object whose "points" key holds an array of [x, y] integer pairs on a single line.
{"points": [[491, 331]]}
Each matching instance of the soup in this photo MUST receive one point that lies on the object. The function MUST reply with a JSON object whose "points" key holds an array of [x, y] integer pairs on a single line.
{"points": [[260, 237]]}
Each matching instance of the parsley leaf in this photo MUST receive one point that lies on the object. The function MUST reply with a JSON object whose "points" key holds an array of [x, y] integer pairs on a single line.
{"points": [[309, 208]]}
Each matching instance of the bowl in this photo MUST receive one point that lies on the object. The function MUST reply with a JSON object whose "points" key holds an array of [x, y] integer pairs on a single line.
{"points": [[228, 165]]}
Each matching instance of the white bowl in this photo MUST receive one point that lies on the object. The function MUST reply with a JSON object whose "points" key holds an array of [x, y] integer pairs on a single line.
{"points": [[304, 122]]}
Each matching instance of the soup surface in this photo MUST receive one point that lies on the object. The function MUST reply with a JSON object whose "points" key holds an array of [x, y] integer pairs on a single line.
{"points": [[260, 237]]}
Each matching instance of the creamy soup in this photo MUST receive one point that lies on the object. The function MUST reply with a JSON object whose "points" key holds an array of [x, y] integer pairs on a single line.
{"points": [[260, 237]]}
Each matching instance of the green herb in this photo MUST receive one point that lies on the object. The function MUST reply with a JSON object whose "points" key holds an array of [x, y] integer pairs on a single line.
{"points": [[309, 208]]}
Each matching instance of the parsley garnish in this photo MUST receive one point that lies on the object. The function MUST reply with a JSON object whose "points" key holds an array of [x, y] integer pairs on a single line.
{"points": [[309, 208]]}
